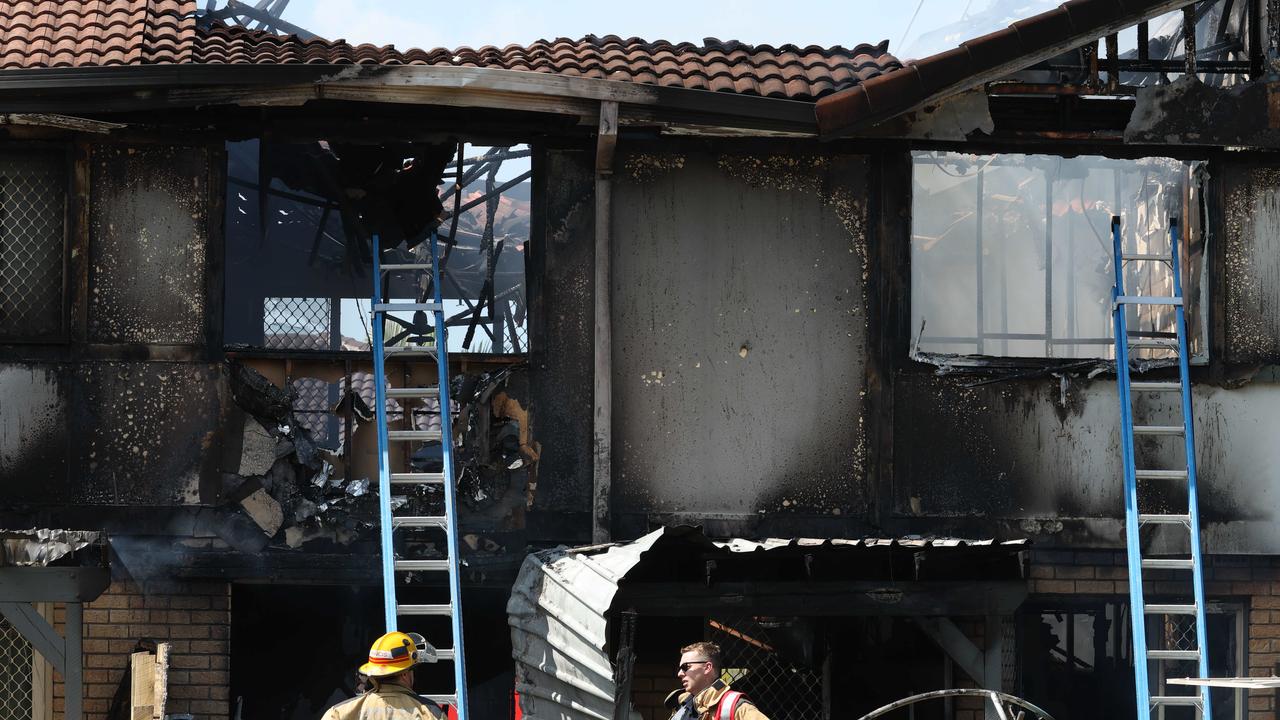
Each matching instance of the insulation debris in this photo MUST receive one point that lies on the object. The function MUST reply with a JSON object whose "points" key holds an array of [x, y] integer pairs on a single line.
{"points": [[38, 547]]}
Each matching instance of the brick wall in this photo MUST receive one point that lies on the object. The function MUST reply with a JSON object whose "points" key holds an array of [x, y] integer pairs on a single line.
{"points": [[650, 684], [1253, 581], [194, 618]]}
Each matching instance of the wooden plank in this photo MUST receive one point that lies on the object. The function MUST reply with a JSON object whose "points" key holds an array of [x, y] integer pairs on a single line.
{"points": [[142, 690], [161, 694], [956, 645], [42, 674]]}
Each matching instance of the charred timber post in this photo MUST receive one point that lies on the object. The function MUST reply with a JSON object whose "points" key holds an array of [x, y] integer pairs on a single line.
{"points": [[602, 447], [1189, 37], [1273, 36]]}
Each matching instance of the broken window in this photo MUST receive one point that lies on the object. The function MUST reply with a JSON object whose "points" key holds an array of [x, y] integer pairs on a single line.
{"points": [[33, 199], [1011, 255], [299, 222], [1076, 660]]}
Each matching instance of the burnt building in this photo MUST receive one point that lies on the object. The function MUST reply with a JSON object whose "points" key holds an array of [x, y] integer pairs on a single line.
{"points": [[848, 314]]}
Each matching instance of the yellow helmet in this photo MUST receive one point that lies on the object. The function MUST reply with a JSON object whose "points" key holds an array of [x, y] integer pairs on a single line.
{"points": [[396, 652]]}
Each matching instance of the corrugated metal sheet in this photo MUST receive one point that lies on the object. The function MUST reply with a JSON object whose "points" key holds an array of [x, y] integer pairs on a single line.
{"points": [[561, 598], [559, 629], [38, 547]]}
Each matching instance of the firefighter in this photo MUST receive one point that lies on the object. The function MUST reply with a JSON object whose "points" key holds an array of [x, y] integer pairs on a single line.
{"points": [[704, 694], [390, 672]]}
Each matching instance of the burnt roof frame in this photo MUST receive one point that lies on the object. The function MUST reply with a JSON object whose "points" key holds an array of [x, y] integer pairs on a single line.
{"points": [[981, 60]]}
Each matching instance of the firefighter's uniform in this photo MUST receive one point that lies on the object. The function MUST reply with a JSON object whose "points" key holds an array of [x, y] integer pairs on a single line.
{"points": [[388, 702], [390, 655], [709, 707]]}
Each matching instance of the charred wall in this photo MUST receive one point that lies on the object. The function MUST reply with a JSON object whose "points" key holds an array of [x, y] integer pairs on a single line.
{"points": [[739, 326], [560, 374], [1251, 263], [129, 410]]}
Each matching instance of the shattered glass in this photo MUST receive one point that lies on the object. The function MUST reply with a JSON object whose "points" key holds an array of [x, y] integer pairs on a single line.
{"points": [[1011, 255]]}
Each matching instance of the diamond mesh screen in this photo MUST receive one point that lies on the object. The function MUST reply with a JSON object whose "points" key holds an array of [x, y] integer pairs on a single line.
{"points": [[33, 189], [763, 660], [290, 323], [15, 674]]}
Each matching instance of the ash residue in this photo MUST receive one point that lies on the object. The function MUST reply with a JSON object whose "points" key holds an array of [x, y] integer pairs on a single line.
{"points": [[647, 167]]}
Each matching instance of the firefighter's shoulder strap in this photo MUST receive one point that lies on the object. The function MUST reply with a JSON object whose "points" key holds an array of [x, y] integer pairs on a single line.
{"points": [[727, 705]]}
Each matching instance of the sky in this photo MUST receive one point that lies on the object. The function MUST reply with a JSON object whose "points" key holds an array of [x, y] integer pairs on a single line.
{"points": [[415, 23]]}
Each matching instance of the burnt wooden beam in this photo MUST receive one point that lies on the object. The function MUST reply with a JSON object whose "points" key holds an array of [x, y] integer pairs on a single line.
{"points": [[602, 449], [856, 597]]}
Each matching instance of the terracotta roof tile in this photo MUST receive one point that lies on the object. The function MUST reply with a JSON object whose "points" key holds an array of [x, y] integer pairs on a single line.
{"points": [[80, 33]]}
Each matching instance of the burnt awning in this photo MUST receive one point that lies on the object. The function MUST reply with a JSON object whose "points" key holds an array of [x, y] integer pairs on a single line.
{"points": [[564, 600]]}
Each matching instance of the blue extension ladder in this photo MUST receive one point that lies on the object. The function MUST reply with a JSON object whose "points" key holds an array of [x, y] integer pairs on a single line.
{"points": [[389, 523], [1181, 567]]}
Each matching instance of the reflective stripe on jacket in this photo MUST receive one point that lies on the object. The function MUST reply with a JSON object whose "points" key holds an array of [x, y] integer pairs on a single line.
{"points": [[708, 705]]}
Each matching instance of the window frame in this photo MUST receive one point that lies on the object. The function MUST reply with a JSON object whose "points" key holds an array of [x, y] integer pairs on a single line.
{"points": [[1198, 311]]}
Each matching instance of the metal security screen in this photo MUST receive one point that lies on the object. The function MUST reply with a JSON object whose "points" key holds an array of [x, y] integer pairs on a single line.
{"points": [[763, 659], [297, 323], [15, 674], [33, 196]]}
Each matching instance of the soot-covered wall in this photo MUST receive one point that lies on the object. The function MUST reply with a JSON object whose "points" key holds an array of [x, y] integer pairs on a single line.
{"points": [[130, 411], [739, 326]]}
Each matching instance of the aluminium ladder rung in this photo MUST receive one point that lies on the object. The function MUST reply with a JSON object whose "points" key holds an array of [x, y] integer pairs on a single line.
{"points": [[441, 699], [444, 654], [402, 435], [423, 565], [1158, 519], [1146, 256], [393, 267], [1173, 654], [422, 521], [1158, 429], [417, 478], [1160, 474], [1147, 300], [1176, 700], [1153, 344], [1158, 609], [409, 350], [1168, 563], [1155, 386], [406, 307], [438, 610], [413, 392]]}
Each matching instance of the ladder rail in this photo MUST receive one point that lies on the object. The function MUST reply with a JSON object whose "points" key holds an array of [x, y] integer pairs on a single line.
{"points": [[1137, 611], [385, 528], [450, 486], [387, 520], [1193, 507]]}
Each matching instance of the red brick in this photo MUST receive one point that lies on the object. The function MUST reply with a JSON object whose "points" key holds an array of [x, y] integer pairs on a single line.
{"points": [[1067, 572], [1261, 646], [1053, 586], [1041, 572], [190, 602], [106, 631], [1100, 587], [1270, 602], [1259, 703], [188, 692], [1264, 631], [209, 616], [210, 708], [189, 662], [193, 632], [210, 677], [1114, 572], [213, 647], [1263, 660]]}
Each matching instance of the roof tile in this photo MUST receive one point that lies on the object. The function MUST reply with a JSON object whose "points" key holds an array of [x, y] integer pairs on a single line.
{"points": [[80, 33]]}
